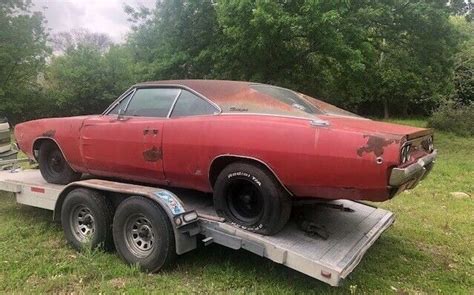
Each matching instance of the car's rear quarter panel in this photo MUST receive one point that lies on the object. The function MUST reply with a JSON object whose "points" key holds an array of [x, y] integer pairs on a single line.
{"points": [[311, 161]]}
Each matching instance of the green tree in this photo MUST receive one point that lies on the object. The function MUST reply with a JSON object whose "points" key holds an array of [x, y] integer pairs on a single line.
{"points": [[175, 40], [86, 78], [464, 63], [387, 53], [23, 52], [370, 56]]}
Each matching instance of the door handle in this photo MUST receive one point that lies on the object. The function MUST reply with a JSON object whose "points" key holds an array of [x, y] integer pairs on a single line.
{"points": [[150, 131]]}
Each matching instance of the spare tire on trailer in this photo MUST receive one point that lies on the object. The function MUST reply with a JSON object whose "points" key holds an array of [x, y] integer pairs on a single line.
{"points": [[251, 198]]}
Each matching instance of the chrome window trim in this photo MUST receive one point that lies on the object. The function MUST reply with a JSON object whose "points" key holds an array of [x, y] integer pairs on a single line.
{"points": [[174, 103], [118, 100], [132, 94]]}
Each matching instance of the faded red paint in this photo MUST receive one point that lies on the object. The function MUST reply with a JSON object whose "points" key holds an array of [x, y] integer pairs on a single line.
{"points": [[329, 162]]}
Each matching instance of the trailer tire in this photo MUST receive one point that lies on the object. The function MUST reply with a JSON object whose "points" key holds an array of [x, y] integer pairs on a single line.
{"points": [[86, 218], [53, 166], [143, 234], [251, 198]]}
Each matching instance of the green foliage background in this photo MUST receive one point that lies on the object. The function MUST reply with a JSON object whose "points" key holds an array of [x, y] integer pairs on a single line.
{"points": [[376, 58]]}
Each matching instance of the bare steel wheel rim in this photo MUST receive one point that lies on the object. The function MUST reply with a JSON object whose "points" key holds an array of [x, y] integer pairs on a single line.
{"points": [[139, 235], [56, 162], [82, 223], [245, 201]]}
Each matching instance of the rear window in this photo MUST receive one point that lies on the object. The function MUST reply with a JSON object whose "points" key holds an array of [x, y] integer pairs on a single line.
{"points": [[267, 99], [288, 97], [329, 109]]}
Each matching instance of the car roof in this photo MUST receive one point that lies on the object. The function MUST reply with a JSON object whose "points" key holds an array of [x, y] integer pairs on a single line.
{"points": [[236, 96]]}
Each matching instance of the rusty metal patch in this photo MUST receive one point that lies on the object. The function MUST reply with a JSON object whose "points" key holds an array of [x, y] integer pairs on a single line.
{"points": [[152, 155], [49, 133], [375, 144]]}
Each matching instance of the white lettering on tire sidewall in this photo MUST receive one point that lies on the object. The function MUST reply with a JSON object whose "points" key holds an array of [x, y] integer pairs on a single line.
{"points": [[245, 174]]}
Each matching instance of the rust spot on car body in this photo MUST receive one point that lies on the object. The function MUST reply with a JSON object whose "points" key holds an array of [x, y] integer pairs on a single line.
{"points": [[376, 145], [152, 155], [49, 133]]}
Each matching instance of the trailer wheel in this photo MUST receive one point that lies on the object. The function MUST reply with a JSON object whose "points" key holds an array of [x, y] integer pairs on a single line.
{"points": [[251, 198], [86, 218], [143, 234], [53, 166]]}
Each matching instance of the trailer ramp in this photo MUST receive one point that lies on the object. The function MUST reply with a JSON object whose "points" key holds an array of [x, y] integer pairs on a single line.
{"points": [[350, 233]]}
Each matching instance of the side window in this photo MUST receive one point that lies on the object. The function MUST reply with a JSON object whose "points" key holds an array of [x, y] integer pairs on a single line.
{"points": [[152, 102], [189, 104], [122, 104]]}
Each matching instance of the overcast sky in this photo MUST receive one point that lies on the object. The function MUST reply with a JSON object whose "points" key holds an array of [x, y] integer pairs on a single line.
{"points": [[101, 16]]}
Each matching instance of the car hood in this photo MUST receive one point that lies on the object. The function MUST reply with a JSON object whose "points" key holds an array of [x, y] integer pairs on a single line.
{"points": [[375, 127]]}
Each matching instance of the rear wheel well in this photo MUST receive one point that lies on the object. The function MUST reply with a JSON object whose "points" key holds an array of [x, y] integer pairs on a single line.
{"points": [[221, 162]]}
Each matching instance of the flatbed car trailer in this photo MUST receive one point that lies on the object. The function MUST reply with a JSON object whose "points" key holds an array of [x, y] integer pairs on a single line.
{"points": [[346, 229]]}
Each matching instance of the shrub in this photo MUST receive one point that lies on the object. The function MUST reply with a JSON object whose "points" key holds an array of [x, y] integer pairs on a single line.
{"points": [[454, 118]]}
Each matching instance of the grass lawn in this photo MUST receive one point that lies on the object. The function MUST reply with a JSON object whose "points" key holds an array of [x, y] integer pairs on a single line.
{"points": [[429, 249]]}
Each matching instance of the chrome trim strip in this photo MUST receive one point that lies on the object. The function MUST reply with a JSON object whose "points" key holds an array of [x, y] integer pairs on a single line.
{"points": [[319, 123], [132, 94], [250, 158], [117, 101], [174, 103]]}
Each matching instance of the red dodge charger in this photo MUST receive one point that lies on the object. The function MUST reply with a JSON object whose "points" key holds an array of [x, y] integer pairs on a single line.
{"points": [[257, 147]]}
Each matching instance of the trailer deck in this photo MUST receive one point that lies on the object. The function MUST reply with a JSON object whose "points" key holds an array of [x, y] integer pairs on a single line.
{"points": [[348, 228]]}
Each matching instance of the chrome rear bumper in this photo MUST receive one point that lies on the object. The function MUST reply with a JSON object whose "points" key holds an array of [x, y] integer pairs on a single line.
{"points": [[409, 177]]}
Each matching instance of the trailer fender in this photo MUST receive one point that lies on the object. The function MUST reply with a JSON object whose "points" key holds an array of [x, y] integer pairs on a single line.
{"points": [[185, 225]]}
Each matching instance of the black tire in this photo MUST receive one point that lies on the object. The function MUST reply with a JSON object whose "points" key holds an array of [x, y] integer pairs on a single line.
{"points": [[137, 223], [53, 165], [86, 218], [251, 198]]}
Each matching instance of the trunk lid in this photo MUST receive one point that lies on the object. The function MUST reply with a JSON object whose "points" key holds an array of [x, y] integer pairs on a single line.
{"points": [[371, 127]]}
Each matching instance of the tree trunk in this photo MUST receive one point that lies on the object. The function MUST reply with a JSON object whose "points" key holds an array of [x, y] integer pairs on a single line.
{"points": [[385, 109]]}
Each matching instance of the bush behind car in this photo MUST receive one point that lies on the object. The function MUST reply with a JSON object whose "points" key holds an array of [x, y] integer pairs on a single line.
{"points": [[454, 117]]}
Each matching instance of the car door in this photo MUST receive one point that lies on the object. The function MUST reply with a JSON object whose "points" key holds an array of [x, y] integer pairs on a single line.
{"points": [[185, 141], [128, 143]]}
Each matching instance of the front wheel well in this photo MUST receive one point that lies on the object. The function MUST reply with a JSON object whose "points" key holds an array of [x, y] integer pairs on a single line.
{"points": [[37, 145], [219, 163]]}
